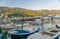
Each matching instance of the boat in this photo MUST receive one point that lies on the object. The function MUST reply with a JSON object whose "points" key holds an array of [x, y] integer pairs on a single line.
{"points": [[47, 34], [19, 33], [11, 27]]}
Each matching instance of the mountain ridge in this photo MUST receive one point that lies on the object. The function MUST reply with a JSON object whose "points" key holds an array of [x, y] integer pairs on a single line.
{"points": [[11, 10]]}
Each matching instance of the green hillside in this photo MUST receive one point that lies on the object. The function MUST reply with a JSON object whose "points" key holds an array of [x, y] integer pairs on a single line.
{"points": [[26, 12]]}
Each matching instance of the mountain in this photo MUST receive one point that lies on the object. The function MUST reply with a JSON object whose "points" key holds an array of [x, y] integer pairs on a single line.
{"points": [[48, 12], [12, 10], [9, 10]]}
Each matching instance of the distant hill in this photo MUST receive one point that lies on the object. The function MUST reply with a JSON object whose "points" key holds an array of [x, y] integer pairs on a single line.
{"points": [[49, 12], [9, 10]]}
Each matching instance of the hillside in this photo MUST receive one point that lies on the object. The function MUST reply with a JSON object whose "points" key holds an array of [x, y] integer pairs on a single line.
{"points": [[9, 10], [48, 12]]}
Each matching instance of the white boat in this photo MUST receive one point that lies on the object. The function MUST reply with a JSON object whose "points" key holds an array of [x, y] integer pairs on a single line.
{"points": [[48, 34], [10, 27], [38, 36]]}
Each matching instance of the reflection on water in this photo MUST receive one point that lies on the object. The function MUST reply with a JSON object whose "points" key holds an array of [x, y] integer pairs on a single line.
{"points": [[47, 26]]}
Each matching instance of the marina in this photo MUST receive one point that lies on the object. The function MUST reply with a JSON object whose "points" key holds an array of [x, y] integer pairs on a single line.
{"points": [[29, 19], [45, 28]]}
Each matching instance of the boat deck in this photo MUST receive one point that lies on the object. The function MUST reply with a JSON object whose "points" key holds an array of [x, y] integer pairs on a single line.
{"points": [[47, 34]]}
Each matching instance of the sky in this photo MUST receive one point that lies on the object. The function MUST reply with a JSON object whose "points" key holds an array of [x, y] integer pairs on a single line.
{"points": [[32, 4]]}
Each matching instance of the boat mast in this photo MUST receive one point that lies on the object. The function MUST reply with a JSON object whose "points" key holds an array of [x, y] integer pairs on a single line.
{"points": [[42, 23]]}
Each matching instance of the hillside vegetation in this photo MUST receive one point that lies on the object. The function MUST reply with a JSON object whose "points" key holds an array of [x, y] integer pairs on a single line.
{"points": [[11, 11]]}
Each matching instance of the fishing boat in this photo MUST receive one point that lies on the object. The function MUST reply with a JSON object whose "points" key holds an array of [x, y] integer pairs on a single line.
{"points": [[20, 34], [47, 34]]}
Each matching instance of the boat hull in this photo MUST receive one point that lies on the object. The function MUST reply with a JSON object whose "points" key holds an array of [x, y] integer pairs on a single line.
{"points": [[21, 36]]}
